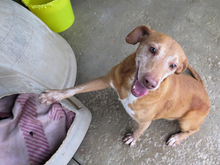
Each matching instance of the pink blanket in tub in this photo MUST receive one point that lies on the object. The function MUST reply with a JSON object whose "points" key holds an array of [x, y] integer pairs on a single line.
{"points": [[31, 132]]}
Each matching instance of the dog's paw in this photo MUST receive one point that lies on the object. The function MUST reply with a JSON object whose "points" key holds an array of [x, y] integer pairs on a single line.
{"points": [[50, 96], [128, 139], [173, 140]]}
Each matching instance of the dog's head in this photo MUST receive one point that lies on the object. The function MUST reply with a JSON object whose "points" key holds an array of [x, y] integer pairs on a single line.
{"points": [[157, 57]]}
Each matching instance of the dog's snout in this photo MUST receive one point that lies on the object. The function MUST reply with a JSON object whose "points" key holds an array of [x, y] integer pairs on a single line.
{"points": [[149, 82]]}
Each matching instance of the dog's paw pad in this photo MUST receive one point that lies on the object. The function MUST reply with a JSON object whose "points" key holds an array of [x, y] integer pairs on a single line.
{"points": [[128, 139]]}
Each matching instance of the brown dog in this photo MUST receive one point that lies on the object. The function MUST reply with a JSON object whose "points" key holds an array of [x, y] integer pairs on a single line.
{"points": [[150, 86]]}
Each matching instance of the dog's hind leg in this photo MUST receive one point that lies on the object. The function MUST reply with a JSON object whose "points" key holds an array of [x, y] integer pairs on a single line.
{"points": [[189, 124]]}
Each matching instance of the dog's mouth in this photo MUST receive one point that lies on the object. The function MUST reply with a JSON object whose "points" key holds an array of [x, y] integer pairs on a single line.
{"points": [[137, 89]]}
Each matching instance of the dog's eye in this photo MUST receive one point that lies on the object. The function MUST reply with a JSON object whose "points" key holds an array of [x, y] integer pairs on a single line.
{"points": [[152, 50], [172, 66]]}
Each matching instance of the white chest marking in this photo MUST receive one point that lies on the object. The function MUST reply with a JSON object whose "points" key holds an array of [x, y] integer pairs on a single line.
{"points": [[129, 100]]}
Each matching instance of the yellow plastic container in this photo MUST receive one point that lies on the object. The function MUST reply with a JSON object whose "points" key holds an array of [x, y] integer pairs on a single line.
{"points": [[56, 14]]}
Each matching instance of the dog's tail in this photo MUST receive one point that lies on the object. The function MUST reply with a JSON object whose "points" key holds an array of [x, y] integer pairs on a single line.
{"points": [[195, 74]]}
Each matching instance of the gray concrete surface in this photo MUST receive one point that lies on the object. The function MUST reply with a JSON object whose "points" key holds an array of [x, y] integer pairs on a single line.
{"points": [[97, 38]]}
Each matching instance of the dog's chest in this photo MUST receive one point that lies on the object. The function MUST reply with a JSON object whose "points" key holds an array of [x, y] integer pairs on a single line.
{"points": [[129, 100], [125, 102]]}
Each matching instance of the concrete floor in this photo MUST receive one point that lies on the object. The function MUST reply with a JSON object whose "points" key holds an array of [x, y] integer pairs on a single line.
{"points": [[98, 40], [97, 37]]}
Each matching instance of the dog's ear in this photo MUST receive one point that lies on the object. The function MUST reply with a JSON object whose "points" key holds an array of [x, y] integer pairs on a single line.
{"points": [[137, 33], [182, 66]]}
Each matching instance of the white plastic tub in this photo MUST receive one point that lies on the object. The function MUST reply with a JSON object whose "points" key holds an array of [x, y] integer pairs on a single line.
{"points": [[33, 58], [75, 134]]}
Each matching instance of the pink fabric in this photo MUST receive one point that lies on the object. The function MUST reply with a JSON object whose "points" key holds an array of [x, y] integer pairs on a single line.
{"points": [[31, 132]]}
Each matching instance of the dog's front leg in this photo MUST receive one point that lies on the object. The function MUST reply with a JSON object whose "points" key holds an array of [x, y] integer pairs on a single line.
{"points": [[131, 138], [52, 95]]}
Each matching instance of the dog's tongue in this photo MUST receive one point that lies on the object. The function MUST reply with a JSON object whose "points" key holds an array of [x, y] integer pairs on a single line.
{"points": [[138, 90]]}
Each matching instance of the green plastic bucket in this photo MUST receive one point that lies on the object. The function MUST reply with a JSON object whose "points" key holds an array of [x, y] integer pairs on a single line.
{"points": [[56, 14]]}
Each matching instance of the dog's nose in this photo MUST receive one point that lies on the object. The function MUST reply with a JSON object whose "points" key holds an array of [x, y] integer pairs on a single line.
{"points": [[149, 82]]}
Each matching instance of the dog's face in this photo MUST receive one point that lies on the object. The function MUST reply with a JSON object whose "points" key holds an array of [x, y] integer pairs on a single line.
{"points": [[157, 57]]}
